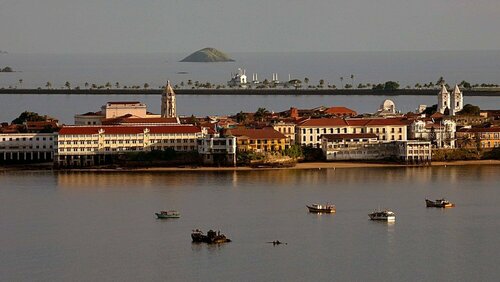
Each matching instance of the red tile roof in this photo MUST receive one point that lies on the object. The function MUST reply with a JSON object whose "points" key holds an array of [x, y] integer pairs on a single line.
{"points": [[124, 102], [89, 130], [480, 130], [349, 136], [340, 111], [324, 122], [252, 133], [131, 120]]}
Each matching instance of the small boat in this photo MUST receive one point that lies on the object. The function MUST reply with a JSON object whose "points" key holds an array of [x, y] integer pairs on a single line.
{"points": [[212, 237], [317, 208], [168, 214], [439, 203], [385, 215]]}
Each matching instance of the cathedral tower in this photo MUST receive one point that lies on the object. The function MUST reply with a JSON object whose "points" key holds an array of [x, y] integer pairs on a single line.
{"points": [[456, 101], [168, 102], [443, 100]]}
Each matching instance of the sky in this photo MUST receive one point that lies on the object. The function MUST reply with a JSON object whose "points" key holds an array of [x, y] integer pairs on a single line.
{"points": [[184, 26]]}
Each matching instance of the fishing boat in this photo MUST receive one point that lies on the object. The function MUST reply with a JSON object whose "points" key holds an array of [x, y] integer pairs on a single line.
{"points": [[439, 203], [385, 215], [211, 237], [317, 208], [168, 214]]}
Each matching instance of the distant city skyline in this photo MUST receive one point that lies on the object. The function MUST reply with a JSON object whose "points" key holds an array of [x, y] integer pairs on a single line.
{"points": [[184, 26]]}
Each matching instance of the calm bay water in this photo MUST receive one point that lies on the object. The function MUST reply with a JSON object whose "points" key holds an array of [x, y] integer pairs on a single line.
{"points": [[101, 226]]}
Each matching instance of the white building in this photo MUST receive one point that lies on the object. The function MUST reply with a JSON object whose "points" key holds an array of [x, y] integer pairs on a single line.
{"points": [[443, 99], [387, 129], [441, 135], [387, 108], [456, 101], [218, 150], [366, 146], [238, 79], [91, 145], [26, 147]]}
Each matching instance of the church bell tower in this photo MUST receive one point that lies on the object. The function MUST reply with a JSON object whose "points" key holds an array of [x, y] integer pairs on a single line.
{"points": [[168, 102]]}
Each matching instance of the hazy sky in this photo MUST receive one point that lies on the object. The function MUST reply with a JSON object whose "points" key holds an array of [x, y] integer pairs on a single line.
{"points": [[136, 26]]}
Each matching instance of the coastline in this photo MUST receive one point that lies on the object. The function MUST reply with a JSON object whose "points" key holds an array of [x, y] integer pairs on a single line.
{"points": [[493, 92], [299, 166]]}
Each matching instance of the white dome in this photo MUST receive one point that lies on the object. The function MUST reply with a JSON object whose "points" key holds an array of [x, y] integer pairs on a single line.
{"points": [[388, 105]]}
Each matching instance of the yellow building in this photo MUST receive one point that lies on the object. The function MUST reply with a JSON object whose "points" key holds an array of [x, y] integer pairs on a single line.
{"points": [[484, 138], [259, 140]]}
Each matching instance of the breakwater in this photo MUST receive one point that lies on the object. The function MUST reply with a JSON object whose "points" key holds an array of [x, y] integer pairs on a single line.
{"points": [[249, 92]]}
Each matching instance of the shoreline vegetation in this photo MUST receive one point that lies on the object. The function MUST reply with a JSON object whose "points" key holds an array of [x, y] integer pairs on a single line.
{"points": [[298, 166], [493, 91]]}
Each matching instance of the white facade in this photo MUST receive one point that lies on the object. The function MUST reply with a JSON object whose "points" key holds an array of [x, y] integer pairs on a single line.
{"points": [[26, 147], [441, 135], [86, 145], [218, 150], [456, 101], [443, 100], [413, 151], [309, 132]]}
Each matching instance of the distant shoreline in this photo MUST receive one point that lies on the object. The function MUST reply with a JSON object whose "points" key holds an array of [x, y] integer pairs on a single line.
{"points": [[249, 92], [299, 166]]}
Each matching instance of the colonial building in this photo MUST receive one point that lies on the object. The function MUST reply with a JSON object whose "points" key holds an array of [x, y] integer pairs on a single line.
{"points": [[360, 146], [287, 129], [483, 138], [168, 104], [441, 135], [26, 147], [309, 131], [115, 110], [91, 145], [218, 150], [366, 146], [259, 140]]}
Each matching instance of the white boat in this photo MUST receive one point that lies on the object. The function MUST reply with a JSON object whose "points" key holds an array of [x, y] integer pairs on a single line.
{"points": [[385, 215]]}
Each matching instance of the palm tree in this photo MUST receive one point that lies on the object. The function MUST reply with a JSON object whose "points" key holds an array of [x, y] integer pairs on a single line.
{"points": [[86, 85], [260, 114], [20, 81], [117, 85], [440, 81], [341, 81], [146, 85], [241, 117], [306, 80], [321, 83], [108, 85], [48, 85], [67, 85], [352, 79]]}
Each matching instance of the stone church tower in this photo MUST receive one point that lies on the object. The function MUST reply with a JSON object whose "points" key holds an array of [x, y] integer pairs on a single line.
{"points": [[168, 102], [443, 100], [456, 101]]}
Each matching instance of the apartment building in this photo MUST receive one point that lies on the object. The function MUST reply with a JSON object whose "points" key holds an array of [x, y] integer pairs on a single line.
{"points": [[26, 147], [91, 145], [309, 131]]}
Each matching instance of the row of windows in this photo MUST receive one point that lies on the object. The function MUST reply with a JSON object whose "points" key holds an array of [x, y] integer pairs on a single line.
{"points": [[260, 142], [354, 130], [26, 139], [25, 147], [318, 138]]}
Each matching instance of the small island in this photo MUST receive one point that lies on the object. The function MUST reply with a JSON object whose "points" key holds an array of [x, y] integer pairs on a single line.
{"points": [[6, 69], [207, 55]]}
